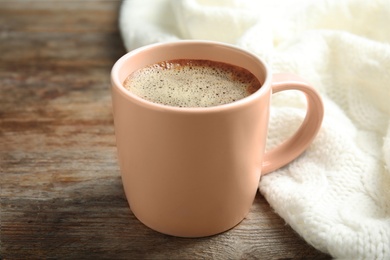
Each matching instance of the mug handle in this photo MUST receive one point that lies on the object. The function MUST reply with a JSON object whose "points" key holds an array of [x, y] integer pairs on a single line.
{"points": [[296, 144]]}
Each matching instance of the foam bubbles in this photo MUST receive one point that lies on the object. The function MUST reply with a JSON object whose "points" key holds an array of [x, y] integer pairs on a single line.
{"points": [[192, 83]]}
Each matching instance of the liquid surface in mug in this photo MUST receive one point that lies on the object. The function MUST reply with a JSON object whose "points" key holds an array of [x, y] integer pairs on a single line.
{"points": [[192, 83]]}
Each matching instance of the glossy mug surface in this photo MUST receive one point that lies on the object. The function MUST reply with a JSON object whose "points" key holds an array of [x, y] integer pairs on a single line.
{"points": [[194, 172]]}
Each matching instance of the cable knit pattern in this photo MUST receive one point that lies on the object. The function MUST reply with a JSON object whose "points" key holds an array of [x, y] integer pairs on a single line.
{"points": [[337, 194]]}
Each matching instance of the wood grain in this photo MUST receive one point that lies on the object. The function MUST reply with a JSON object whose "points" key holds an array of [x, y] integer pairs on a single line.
{"points": [[61, 192]]}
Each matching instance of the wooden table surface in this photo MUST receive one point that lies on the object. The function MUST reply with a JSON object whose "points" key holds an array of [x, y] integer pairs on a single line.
{"points": [[61, 191]]}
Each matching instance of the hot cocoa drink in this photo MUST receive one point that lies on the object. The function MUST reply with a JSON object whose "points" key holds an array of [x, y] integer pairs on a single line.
{"points": [[192, 83]]}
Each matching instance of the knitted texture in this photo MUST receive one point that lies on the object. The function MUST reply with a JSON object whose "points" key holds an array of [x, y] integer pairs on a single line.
{"points": [[336, 195]]}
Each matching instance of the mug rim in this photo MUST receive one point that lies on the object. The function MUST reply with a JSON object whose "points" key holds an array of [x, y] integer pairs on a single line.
{"points": [[116, 82]]}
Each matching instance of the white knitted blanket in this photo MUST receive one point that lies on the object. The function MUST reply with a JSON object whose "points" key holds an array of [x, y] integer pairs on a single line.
{"points": [[337, 194]]}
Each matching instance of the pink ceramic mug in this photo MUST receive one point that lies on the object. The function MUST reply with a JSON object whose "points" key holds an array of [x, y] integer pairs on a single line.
{"points": [[194, 172]]}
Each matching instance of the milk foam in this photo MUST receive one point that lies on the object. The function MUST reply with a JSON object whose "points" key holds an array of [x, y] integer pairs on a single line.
{"points": [[192, 83]]}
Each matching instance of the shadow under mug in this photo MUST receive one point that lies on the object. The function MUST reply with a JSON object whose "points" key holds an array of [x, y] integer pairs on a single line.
{"points": [[194, 172]]}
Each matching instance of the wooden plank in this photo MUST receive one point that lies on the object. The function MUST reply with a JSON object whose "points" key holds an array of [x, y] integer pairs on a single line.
{"points": [[105, 227]]}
